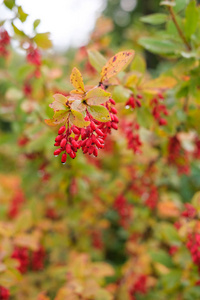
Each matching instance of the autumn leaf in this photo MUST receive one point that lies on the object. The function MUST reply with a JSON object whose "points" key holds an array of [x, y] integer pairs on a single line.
{"points": [[99, 113], [60, 102], [76, 118], [97, 96], [76, 80], [116, 64], [58, 118], [161, 83]]}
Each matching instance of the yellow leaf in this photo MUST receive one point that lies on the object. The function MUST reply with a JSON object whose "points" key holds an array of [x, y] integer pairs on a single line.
{"points": [[76, 118], [77, 80], [116, 64], [58, 118], [97, 96], [60, 103], [160, 83]]}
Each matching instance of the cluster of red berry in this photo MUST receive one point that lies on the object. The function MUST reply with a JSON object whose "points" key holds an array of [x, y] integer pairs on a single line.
{"points": [[33, 57], [4, 293], [90, 139], [178, 156], [193, 244], [152, 198], [124, 210], [35, 261], [139, 287], [4, 42], [132, 135], [134, 101], [158, 109], [16, 203]]}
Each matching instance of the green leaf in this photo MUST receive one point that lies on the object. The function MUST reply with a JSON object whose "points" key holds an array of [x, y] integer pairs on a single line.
{"points": [[36, 23], [180, 5], [9, 3], [158, 46], [121, 94], [97, 96], [138, 64], [42, 40], [162, 257], [155, 19], [191, 20], [99, 113], [76, 118], [96, 59], [18, 31], [172, 280], [22, 15]]}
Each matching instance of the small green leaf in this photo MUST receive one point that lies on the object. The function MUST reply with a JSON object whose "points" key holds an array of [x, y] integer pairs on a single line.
{"points": [[97, 60], [162, 257], [138, 64], [121, 94], [99, 113], [97, 96], [42, 40], [158, 46], [36, 23], [191, 20], [155, 19], [22, 15], [18, 31], [9, 3], [76, 118]]}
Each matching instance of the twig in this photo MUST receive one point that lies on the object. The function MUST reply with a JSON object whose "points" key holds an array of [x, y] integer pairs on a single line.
{"points": [[178, 28]]}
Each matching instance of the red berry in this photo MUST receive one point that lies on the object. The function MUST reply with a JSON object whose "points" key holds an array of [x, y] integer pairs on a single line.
{"points": [[99, 132], [72, 154], [63, 143], [113, 110], [61, 130], [75, 130], [57, 152], [68, 148], [95, 152], [112, 101], [93, 125], [58, 138], [64, 158]]}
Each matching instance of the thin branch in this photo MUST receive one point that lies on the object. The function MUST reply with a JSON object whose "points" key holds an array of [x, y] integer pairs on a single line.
{"points": [[178, 28]]}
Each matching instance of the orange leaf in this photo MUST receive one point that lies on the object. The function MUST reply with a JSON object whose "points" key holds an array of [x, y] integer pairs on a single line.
{"points": [[77, 81], [116, 64]]}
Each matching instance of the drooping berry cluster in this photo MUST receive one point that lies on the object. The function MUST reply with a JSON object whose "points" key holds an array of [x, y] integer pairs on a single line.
{"points": [[190, 211], [152, 198], [124, 209], [196, 152], [158, 109], [33, 56], [16, 203], [4, 42], [22, 256], [35, 261], [4, 293], [132, 135], [193, 244], [89, 139], [178, 156], [134, 101], [139, 287]]}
